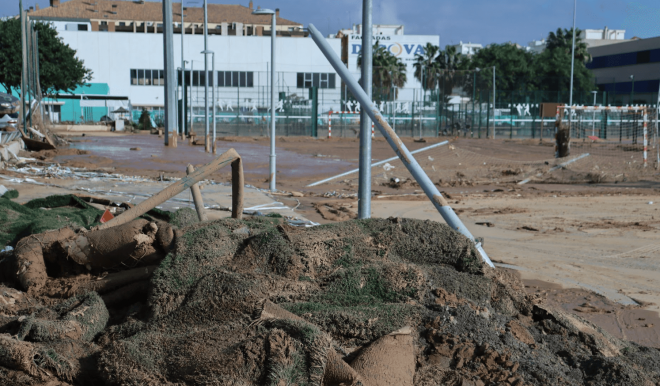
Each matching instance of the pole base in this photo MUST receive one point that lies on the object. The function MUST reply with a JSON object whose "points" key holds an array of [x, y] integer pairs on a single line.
{"points": [[173, 140], [207, 144]]}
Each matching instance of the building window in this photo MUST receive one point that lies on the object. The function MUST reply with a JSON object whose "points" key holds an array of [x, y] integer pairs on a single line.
{"points": [[235, 79], [643, 57], [82, 27], [147, 77], [122, 24], [320, 80]]}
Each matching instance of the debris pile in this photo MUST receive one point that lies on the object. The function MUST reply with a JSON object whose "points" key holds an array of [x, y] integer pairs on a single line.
{"points": [[258, 301]]}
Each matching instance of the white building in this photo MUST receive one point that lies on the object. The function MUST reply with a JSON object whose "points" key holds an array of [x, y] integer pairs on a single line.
{"points": [[122, 43], [592, 37], [468, 48]]}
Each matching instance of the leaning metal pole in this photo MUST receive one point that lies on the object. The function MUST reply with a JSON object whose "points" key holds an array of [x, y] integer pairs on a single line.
{"points": [[364, 181], [170, 79], [408, 160], [206, 79], [273, 95], [215, 82]]}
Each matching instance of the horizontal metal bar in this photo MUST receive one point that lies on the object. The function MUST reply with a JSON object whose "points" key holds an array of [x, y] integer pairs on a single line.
{"points": [[377, 163]]}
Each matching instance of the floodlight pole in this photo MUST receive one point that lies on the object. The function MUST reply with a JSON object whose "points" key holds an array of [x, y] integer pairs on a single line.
{"points": [[364, 182], [273, 95], [183, 79], [494, 87], [207, 146], [213, 91], [570, 103], [170, 79]]}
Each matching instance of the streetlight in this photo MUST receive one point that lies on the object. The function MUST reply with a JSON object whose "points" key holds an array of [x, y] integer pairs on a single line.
{"points": [[593, 119], [205, 52], [632, 90], [183, 98], [273, 95], [206, 79], [183, 75]]}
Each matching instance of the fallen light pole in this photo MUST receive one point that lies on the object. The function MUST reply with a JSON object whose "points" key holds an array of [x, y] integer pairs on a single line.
{"points": [[237, 182], [393, 139], [378, 163]]}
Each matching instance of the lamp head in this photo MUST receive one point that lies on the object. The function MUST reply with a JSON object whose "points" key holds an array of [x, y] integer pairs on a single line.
{"points": [[260, 11]]}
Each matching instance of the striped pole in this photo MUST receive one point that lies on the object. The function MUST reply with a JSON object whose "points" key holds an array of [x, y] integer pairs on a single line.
{"points": [[330, 124], [372, 129]]}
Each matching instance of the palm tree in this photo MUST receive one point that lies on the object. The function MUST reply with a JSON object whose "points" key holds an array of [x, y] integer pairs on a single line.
{"points": [[563, 39], [426, 67], [388, 72], [448, 62]]}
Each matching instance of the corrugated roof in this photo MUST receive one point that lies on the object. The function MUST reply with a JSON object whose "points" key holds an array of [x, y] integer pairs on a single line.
{"points": [[153, 11]]}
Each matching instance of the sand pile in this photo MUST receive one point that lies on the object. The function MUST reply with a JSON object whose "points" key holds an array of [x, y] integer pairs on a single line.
{"points": [[256, 301]]}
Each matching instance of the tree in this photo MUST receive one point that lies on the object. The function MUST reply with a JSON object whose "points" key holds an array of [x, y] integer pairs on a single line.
{"points": [[59, 69], [388, 72], [553, 65], [449, 62], [515, 68], [144, 122], [427, 69]]}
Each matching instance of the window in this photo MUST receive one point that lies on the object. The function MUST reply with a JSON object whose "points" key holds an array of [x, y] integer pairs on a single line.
{"points": [[320, 80], [82, 27], [141, 77], [643, 57], [235, 79], [122, 24]]}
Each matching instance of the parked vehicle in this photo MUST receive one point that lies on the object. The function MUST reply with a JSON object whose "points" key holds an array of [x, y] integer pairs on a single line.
{"points": [[9, 104]]}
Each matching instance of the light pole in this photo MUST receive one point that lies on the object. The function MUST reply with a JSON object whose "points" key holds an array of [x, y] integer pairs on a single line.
{"points": [[206, 80], [192, 71], [183, 98], [273, 94], [213, 91], [364, 181], [170, 79], [494, 88], [183, 77], [570, 103], [632, 90], [593, 118]]}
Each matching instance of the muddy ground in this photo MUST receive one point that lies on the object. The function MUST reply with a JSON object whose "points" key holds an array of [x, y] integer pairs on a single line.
{"points": [[588, 280]]}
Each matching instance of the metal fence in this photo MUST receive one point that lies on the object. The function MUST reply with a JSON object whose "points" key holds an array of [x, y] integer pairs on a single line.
{"points": [[458, 103]]}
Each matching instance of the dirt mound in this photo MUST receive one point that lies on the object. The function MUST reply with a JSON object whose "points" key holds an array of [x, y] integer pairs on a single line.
{"points": [[363, 302]]}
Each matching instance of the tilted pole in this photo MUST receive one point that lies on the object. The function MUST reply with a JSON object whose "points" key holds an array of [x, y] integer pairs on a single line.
{"points": [[170, 79], [408, 160], [364, 181]]}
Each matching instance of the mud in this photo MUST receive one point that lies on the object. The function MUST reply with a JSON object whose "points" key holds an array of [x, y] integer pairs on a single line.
{"points": [[250, 302]]}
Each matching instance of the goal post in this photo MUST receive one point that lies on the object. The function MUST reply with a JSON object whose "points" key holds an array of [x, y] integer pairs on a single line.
{"points": [[608, 130]]}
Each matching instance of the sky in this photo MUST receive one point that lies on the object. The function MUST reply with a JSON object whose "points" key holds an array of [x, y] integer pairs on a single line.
{"points": [[476, 21]]}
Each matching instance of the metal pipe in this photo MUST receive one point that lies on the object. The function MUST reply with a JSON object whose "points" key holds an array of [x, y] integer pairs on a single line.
{"points": [[206, 80], [273, 95], [377, 164], [494, 96], [570, 103], [192, 71], [197, 197], [185, 183], [215, 82], [170, 79], [23, 69], [183, 79], [364, 181], [408, 160]]}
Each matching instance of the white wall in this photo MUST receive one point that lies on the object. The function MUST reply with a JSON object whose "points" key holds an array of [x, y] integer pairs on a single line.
{"points": [[111, 56]]}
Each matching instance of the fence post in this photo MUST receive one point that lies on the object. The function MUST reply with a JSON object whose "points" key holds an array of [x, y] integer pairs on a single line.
{"points": [[511, 114], [314, 99]]}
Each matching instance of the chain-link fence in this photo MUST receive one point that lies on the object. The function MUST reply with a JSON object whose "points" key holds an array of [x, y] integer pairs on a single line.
{"points": [[445, 103]]}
